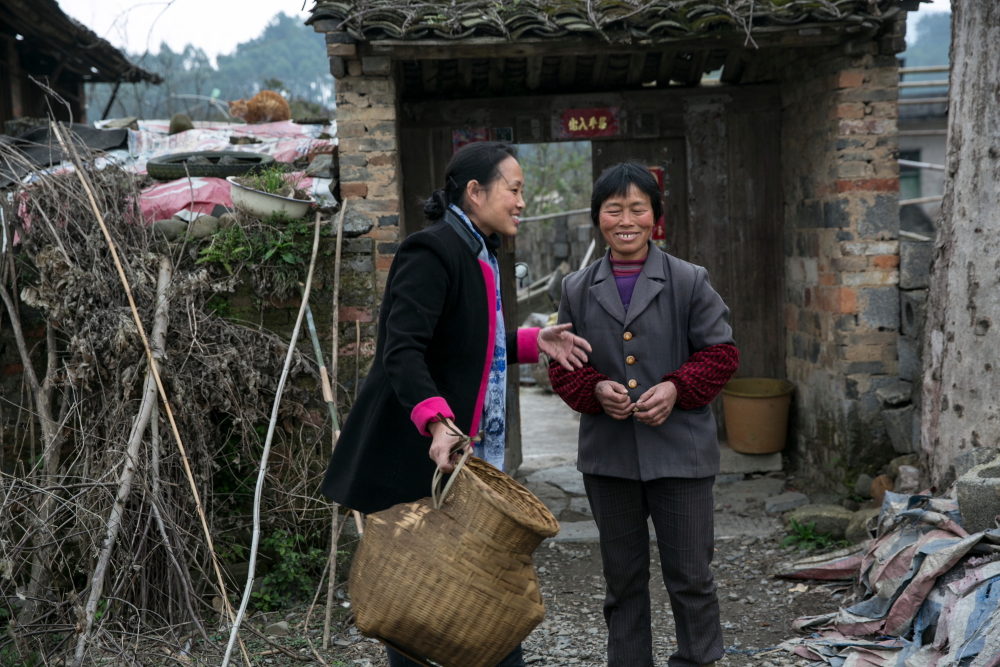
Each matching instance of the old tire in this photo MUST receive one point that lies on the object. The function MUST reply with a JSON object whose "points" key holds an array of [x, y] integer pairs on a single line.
{"points": [[172, 167]]}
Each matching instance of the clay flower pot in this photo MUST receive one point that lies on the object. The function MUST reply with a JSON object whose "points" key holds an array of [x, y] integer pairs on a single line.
{"points": [[756, 414]]}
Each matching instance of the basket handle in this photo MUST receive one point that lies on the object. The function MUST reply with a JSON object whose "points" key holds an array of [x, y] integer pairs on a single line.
{"points": [[438, 495]]}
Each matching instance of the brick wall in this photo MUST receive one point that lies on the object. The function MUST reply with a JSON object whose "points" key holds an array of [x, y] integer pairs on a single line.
{"points": [[367, 129], [842, 316]]}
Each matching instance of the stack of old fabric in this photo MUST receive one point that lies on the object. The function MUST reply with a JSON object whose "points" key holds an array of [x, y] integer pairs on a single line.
{"points": [[930, 593]]}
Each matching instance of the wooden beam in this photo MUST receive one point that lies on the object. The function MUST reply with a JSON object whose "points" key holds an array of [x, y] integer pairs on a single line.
{"points": [[635, 66], [430, 75], [600, 69], [805, 35], [465, 73], [696, 68], [732, 70], [14, 74], [496, 73], [567, 71], [533, 76], [667, 61]]}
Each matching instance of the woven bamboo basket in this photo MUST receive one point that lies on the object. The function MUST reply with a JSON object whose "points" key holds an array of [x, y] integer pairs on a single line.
{"points": [[453, 586]]}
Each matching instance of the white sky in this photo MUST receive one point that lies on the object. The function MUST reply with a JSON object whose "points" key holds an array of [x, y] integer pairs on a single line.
{"points": [[217, 26]]}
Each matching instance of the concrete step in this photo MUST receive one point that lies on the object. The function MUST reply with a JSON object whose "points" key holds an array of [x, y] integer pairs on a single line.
{"points": [[734, 463]]}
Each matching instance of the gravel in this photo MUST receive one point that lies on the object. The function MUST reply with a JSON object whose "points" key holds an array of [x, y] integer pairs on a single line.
{"points": [[757, 610]]}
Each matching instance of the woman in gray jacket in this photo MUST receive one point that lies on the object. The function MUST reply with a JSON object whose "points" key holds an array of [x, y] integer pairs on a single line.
{"points": [[662, 349]]}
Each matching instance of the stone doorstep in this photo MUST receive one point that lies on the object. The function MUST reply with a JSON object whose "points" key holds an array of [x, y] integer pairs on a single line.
{"points": [[734, 463], [727, 526]]}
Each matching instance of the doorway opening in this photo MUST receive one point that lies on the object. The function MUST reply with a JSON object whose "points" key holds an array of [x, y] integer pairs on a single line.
{"points": [[555, 226]]}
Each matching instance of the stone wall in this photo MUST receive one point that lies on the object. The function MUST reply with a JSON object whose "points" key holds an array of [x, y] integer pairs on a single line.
{"points": [[544, 244], [842, 315]]}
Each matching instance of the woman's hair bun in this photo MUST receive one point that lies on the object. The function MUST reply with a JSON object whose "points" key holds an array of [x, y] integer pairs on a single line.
{"points": [[436, 205]]}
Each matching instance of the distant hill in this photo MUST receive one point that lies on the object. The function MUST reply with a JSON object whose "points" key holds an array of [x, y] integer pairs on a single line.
{"points": [[287, 57], [933, 38]]}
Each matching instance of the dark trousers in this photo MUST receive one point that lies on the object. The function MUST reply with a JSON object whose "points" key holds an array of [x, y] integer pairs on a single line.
{"points": [[515, 659], [682, 511]]}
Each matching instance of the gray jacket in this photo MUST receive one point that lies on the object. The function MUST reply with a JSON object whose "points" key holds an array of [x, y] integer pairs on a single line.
{"points": [[674, 312]]}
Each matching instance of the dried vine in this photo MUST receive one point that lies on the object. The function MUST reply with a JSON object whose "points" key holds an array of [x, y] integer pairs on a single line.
{"points": [[99, 536]]}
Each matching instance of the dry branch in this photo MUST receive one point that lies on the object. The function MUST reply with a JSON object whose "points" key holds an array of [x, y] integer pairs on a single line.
{"points": [[159, 331]]}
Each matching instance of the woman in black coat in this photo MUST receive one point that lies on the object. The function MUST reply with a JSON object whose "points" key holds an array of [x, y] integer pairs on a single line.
{"points": [[441, 347]]}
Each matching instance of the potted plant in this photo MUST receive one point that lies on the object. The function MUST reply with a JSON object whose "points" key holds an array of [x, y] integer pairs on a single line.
{"points": [[268, 192]]}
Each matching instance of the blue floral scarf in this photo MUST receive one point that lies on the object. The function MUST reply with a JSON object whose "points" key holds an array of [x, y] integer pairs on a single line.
{"points": [[493, 422]]}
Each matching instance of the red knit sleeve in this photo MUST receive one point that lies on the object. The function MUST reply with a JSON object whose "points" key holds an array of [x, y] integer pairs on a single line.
{"points": [[700, 379], [576, 388]]}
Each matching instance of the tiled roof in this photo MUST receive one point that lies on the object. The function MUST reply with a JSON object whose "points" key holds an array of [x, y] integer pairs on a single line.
{"points": [[45, 28], [614, 20]]}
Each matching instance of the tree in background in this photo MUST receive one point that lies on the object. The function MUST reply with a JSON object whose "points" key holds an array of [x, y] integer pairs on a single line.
{"points": [[557, 176], [287, 57], [961, 380]]}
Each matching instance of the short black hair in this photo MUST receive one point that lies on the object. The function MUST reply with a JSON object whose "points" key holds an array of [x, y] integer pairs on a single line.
{"points": [[616, 180], [478, 161]]}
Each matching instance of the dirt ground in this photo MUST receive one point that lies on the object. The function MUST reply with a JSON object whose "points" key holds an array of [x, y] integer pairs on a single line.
{"points": [[757, 611]]}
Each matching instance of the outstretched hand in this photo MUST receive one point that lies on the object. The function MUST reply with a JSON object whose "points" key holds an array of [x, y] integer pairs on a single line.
{"points": [[564, 347]]}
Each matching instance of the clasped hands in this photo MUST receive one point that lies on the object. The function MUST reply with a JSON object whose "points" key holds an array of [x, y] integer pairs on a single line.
{"points": [[652, 408]]}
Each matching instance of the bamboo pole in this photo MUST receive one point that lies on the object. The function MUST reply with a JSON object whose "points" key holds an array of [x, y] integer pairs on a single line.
{"points": [[334, 368]]}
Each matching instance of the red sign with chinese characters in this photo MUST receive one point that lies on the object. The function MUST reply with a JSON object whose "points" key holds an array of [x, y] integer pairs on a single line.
{"points": [[659, 230], [587, 123]]}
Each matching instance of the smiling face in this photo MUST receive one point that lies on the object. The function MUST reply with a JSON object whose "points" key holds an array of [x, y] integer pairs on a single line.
{"points": [[626, 221], [497, 207]]}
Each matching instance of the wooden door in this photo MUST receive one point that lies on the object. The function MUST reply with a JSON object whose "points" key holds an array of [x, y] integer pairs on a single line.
{"points": [[722, 210]]}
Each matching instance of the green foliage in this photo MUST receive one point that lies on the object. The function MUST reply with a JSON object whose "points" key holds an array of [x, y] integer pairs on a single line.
{"points": [[271, 180], [295, 565], [9, 657], [265, 245], [806, 538], [557, 176]]}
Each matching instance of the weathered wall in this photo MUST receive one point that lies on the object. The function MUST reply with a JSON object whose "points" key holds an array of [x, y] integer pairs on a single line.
{"points": [[842, 318], [370, 182]]}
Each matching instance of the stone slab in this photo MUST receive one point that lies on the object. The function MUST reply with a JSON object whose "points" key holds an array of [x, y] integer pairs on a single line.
{"points": [[915, 258], [832, 519], [899, 426], [979, 496], [732, 463], [567, 478], [785, 502], [897, 393]]}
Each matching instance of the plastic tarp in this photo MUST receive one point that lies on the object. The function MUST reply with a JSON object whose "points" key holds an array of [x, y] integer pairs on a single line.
{"points": [[930, 595]]}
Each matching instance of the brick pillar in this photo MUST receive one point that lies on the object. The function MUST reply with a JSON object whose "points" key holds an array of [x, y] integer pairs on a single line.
{"points": [[841, 186], [367, 131]]}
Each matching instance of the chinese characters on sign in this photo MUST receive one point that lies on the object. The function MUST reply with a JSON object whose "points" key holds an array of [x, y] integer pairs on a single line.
{"points": [[586, 123]]}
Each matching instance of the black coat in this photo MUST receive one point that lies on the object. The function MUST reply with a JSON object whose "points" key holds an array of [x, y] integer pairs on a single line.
{"points": [[435, 334]]}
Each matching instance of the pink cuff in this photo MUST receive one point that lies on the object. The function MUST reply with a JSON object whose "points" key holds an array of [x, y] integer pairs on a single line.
{"points": [[527, 345], [427, 411]]}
